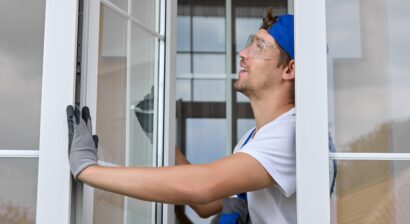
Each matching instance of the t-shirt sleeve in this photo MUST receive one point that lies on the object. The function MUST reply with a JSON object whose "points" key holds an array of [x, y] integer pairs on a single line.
{"points": [[274, 148]]}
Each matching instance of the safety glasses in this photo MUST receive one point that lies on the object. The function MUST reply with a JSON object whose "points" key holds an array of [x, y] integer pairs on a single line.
{"points": [[259, 48]]}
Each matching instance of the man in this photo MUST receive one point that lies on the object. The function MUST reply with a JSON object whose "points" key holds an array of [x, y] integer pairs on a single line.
{"points": [[263, 163]]}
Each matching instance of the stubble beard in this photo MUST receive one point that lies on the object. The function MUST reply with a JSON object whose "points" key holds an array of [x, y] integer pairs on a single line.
{"points": [[241, 86]]}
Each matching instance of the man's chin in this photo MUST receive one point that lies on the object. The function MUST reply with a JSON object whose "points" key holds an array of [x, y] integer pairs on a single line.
{"points": [[239, 88]]}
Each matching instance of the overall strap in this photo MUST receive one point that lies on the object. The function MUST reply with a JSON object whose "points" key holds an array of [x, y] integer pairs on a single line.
{"points": [[243, 195], [235, 210], [248, 138]]}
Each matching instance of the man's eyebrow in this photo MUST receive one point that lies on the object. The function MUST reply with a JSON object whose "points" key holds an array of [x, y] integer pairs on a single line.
{"points": [[265, 41], [273, 44]]}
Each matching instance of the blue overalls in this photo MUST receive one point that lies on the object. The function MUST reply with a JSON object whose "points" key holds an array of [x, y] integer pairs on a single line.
{"points": [[235, 210]]}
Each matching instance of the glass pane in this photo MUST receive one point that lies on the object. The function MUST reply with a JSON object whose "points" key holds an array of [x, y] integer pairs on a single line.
{"points": [[122, 4], [18, 190], [201, 90], [142, 97], [21, 60], [183, 63], [370, 192], [108, 207], [241, 98], [117, 96], [110, 121], [209, 90], [209, 63], [183, 87], [244, 27], [142, 100], [205, 140], [146, 12], [369, 75], [184, 33], [208, 33]]}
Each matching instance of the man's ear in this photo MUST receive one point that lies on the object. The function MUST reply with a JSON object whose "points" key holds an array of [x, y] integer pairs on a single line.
{"points": [[289, 71]]}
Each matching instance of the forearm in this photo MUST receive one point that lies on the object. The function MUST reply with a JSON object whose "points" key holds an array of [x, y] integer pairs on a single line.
{"points": [[204, 210], [173, 185]]}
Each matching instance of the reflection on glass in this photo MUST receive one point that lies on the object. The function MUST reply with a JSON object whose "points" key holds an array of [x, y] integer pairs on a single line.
{"points": [[142, 95], [110, 123], [122, 4], [146, 11], [368, 73], [369, 192], [142, 98], [18, 190], [205, 140], [108, 207], [117, 96], [21, 60]]}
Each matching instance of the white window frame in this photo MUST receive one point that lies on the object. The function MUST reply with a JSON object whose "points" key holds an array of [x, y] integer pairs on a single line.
{"points": [[312, 156], [166, 83], [58, 81]]}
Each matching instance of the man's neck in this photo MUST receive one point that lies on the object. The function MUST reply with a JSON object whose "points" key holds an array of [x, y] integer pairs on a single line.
{"points": [[269, 107]]}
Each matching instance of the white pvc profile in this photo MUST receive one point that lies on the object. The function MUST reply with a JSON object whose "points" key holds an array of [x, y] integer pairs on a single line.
{"points": [[18, 153], [127, 109], [369, 156], [89, 79], [168, 214], [160, 101], [59, 61], [312, 156], [228, 59], [134, 20]]}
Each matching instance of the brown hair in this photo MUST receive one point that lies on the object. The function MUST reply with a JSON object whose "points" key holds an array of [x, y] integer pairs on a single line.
{"points": [[267, 23], [285, 59]]}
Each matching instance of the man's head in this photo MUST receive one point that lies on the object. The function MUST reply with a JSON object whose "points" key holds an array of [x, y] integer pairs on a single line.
{"points": [[267, 61]]}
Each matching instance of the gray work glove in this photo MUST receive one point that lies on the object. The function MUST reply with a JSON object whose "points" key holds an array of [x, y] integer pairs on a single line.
{"points": [[82, 145]]}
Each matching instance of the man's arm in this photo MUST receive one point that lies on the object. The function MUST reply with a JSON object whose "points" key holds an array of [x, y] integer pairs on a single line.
{"points": [[184, 184], [205, 210]]}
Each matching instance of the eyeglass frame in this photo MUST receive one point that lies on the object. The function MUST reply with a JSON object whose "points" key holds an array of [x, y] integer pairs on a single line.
{"points": [[257, 53]]}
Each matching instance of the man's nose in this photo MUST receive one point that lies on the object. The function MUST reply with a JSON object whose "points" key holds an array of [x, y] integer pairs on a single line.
{"points": [[243, 54]]}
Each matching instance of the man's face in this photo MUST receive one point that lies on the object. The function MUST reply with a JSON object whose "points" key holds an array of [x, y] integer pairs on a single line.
{"points": [[259, 65]]}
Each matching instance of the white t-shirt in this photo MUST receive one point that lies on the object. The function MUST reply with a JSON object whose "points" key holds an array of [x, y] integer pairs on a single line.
{"points": [[274, 147]]}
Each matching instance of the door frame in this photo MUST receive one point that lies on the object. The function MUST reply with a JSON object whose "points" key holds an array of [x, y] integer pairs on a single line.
{"points": [[58, 83]]}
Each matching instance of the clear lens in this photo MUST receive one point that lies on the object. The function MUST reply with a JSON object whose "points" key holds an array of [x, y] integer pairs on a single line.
{"points": [[258, 48]]}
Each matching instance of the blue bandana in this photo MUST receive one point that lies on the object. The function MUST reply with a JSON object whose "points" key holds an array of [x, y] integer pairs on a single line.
{"points": [[282, 32]]}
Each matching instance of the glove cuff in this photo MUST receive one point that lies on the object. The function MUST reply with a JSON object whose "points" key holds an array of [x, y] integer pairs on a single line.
{"points": [[81, 168]]}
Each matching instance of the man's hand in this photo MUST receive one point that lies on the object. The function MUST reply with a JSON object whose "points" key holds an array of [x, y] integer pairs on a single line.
{"points": [[82, 145]]}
